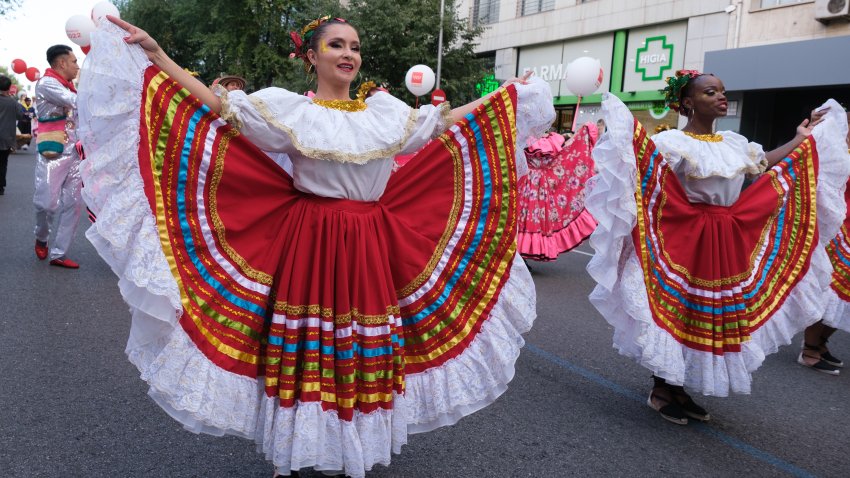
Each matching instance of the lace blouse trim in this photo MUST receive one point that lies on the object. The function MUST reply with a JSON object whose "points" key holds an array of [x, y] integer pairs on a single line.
{"points": [[339, 156]]}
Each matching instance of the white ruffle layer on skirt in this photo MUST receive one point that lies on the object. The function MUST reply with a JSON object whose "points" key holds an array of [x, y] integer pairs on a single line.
{"points": [[207, 399], [620, 294], [837, 312]]}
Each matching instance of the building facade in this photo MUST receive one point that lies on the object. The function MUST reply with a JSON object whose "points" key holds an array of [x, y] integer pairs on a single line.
{"points": [[640, 42]]}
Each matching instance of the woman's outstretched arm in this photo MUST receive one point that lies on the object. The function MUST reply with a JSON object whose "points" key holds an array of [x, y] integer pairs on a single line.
{"points": [[461, 111], [157, 55], [803, 131]]}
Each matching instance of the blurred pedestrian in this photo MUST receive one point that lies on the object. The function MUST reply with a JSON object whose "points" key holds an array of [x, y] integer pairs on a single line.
{"points": [[27, 110], [229, 82], [58, 203], [8, 115]]}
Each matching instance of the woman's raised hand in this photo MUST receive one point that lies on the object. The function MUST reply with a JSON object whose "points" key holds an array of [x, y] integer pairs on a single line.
{"points": [[137, 35], [522, 80], [805, 128]]}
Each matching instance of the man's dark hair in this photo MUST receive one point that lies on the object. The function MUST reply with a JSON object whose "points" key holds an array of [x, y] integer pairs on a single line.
{"points": [[5, 83], [56, 51]]}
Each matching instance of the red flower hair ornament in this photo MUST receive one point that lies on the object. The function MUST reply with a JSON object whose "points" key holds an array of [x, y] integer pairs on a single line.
{"points": [[675, 85]]}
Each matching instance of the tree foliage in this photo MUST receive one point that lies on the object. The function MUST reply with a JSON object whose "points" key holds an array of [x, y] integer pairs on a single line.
{"points": [[250, 38], [397, 35], [8, 7]]}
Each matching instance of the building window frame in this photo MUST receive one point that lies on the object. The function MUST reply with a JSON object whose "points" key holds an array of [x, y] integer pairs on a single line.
{"points": [[756, 5], [533, 7], [491, 9]]}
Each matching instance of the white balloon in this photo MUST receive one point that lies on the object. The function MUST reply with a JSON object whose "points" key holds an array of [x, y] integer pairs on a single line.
{"points": [[102, 9], [79, 28], [584, 76], [420, 79]]}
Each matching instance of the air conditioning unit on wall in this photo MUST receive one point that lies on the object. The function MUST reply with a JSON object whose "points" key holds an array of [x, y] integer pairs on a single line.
{"points": [[830, 10]]}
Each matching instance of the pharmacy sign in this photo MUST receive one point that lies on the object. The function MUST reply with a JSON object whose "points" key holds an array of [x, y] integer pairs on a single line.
{"points": [[654, 58]]}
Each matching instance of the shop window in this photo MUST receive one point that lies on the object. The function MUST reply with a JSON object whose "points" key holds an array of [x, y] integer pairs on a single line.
{"points": [[778, 3], [530, 7], [485, 12]]}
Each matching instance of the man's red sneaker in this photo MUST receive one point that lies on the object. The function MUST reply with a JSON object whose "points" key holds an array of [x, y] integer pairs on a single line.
{"points": [[64, 262], [40, 250]]}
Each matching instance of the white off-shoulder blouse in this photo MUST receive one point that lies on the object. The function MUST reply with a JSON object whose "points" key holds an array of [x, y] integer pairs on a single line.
{"points": [[711, 172], [350, 154], [334, 153]]}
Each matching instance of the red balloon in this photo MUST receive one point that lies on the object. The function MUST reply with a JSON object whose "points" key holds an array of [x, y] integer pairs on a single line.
{"points": [[33, 74], [19, 66], [86, 49]]}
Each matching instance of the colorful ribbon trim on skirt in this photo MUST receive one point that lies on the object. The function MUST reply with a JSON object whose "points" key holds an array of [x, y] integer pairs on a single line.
{"points": [[839, 254], [233, 293], [714, 274], [444, 307]]}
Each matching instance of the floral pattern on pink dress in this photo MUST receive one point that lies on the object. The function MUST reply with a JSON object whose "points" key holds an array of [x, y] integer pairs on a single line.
{"points": [[552, 217]]}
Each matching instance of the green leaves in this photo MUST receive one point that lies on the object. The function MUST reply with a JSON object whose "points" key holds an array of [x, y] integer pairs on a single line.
{"points": [[250, 38], [397, 35]]}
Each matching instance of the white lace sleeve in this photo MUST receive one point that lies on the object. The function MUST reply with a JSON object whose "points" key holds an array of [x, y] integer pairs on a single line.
{"points": [[253, 119], [431, 121], [757, 156]]}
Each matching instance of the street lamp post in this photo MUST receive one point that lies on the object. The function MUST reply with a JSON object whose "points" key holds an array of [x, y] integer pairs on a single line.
{"points": [[440, 43]]}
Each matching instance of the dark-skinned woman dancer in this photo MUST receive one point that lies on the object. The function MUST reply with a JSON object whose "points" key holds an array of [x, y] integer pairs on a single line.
{"points": [[700, 279]]}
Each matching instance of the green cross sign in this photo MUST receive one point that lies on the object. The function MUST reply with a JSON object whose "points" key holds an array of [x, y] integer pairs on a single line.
{"points": [[654, 58], [487, 85]]}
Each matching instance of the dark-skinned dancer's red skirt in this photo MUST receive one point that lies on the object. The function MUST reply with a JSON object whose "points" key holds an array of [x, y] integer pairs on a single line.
{"points": [[324, 329], [700, 294]]}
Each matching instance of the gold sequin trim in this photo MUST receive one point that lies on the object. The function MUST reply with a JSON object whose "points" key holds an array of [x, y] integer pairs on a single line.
{"points": [[332, 155], [349, 106], [708, 138], [218, 225], [364, 90], [339, 319], [451, 223]]}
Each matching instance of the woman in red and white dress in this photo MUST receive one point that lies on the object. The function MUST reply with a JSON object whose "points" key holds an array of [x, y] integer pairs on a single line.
{"points": [[700, 279], [328, 313]]}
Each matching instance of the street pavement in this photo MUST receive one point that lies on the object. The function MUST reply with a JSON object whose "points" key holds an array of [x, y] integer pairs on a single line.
{"points": [[71, 405]]}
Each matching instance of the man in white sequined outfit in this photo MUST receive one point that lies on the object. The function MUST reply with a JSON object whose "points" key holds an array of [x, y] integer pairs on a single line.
{"points": [[57, 199]]}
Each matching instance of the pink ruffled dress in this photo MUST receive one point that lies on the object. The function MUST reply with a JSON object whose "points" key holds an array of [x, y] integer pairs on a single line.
{"points": [[552, 217]]}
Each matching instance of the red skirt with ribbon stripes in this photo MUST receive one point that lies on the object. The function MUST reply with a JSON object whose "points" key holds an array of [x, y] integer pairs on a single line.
{"points": [[329, 300]]}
